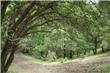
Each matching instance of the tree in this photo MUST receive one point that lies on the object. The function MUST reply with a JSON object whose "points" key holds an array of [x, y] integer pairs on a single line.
{"points": [[24, 18], [22, 21]]}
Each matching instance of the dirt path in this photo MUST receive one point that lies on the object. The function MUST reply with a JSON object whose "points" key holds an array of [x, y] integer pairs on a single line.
{"points": [[82, 66]]}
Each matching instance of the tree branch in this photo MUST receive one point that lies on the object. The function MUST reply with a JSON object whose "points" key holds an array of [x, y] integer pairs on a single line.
{"points": [[31, 27], [25, 13]]}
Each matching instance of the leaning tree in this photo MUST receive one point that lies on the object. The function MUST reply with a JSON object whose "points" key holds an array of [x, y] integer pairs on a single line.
{"points": [[22, 18]]}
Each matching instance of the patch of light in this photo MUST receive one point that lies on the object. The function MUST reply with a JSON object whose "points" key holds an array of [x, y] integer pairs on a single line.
{"points": [[92, 1], [95, 1]]}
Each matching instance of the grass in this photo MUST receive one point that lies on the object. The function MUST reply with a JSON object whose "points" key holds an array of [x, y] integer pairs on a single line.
{"points": [[94, 57], [14, 68], [88, 58], [58, 61], [105, 68], [37, 61], [61, 60]]}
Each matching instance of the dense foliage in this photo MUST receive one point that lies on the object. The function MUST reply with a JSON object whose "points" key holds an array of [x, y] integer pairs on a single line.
{"points": [[86, 30]]}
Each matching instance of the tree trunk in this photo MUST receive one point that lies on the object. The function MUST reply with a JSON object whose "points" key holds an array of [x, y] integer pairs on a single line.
{"points": [[8, 50], [107, 50], [78, 54], [41, 53], [64, 53], [4, 54], [95, 45], [71, 54], [85, 52], [103, 50], [9, 61], [94, 51]]}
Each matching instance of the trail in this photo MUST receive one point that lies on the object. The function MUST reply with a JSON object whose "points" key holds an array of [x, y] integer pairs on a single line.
{"points": [[82, 66]]}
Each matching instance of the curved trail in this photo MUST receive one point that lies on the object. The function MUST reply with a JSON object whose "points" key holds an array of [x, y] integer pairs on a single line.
{"points": [[82, 66]]}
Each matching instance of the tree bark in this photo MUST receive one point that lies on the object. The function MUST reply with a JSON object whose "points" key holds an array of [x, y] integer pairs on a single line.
{"points": [[8, 49], [85, 52], [95, 46], [9, 60], [4, 54]]}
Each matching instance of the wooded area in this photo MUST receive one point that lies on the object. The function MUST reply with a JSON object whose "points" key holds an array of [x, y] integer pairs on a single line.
{"points": [[50, 30]]}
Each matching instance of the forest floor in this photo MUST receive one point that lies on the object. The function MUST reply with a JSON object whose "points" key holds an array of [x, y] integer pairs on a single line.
{"points": [[24, 65]]}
